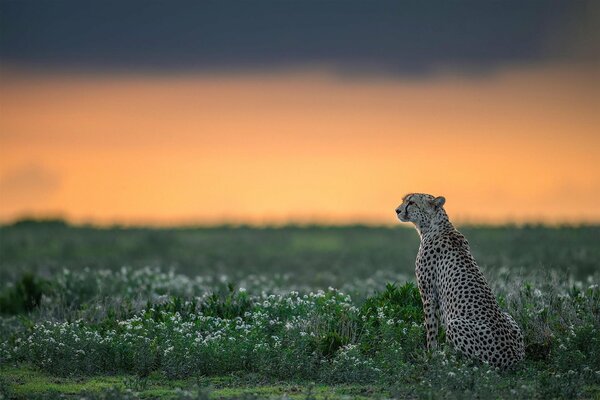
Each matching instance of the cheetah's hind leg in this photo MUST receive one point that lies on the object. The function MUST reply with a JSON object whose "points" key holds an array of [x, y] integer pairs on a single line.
{"points": [[478, 340], [516, 337], [471, 338]]}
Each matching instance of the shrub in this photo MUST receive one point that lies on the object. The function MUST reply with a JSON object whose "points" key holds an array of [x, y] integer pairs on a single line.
{"points": [[227, 305], [25, 296]]}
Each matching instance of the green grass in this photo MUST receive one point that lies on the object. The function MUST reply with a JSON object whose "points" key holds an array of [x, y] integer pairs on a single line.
{"points": [[26, 382], [315, 312], [316, 255]]}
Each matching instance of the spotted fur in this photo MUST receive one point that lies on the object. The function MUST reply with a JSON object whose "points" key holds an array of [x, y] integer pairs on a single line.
{"points": [[454, 291]]}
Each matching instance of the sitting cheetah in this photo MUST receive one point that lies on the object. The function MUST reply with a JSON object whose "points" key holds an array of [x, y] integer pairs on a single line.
{"points": [[453, 288]]}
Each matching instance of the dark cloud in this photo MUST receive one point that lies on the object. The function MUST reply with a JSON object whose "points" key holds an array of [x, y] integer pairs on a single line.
{"points": [[28, 185], [399, 37]]}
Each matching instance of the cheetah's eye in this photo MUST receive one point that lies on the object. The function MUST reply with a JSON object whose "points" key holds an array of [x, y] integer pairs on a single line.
{"points": [[410, 203]]}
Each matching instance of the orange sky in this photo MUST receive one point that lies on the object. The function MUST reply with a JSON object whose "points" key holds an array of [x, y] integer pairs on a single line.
{"points": [[517, 145]]}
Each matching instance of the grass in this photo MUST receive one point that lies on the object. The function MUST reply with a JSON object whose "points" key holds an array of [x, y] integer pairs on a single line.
{"points": [[317, 256], [28, 382], [310, 312]]}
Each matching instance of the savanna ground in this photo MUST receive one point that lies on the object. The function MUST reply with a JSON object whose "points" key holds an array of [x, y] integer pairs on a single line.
{"points": [[313, 312]]}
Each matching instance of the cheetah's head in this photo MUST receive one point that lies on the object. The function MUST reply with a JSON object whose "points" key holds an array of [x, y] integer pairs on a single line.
{"points": [[420, 208]]}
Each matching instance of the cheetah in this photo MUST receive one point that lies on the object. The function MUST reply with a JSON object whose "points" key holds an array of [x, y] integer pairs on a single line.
{"points": [[454, 291]]}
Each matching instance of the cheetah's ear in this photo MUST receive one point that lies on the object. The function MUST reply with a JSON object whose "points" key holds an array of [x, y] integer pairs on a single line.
{"points": [[439, 201]]}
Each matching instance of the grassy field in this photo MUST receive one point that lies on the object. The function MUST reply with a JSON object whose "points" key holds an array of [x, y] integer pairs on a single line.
{"points": [[290, 312]]}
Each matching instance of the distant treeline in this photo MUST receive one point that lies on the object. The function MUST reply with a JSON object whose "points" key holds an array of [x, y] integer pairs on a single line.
{"points": [[57, 222]]}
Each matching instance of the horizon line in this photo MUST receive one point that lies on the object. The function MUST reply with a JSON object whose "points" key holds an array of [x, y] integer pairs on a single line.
{"points": [[70, 223]]}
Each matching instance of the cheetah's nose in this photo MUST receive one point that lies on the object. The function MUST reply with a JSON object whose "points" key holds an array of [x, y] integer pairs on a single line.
{"points": [[398, 210]]}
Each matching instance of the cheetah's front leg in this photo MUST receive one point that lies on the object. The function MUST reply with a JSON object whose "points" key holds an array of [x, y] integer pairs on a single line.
{"points": [[430, 308], [431, 322]]}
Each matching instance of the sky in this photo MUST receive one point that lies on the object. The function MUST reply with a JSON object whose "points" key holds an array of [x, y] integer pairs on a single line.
{"points": [[180, 112]]}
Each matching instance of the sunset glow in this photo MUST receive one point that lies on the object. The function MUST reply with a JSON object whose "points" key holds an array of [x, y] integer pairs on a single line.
{"points": [[519, 144]]}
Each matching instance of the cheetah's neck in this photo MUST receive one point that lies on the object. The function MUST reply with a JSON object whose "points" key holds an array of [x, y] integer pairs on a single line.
{"points": [[437, 225]]}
